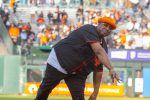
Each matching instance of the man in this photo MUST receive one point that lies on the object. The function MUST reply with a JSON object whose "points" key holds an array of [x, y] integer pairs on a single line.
{"points": [[74, 57]]}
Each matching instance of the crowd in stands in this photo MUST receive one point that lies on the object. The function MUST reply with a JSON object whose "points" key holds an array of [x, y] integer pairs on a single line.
{"points": [[21, 33], [133, 26], [133, 23]]}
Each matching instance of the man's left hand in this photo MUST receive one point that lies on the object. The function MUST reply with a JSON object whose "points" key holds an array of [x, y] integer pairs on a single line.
{"points": [[114, 76]]}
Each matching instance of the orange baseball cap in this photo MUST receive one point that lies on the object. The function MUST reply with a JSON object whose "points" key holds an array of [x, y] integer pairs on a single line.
{"points": [[108, 20]]}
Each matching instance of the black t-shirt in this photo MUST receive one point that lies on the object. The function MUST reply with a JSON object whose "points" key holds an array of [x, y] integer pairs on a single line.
{"points": [[75, 52]]}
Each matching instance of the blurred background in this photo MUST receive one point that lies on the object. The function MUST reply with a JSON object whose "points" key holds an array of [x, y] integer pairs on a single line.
{"points": [[29, 29]]}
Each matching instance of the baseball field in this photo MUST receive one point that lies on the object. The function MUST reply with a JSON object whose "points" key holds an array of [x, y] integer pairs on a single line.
{"points": [[20, 97]]}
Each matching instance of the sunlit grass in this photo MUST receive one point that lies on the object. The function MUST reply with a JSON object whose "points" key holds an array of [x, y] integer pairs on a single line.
{"points": [[20, 97]]}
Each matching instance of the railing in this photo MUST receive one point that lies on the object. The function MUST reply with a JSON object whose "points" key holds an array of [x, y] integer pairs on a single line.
{"points": [[6, 38]]}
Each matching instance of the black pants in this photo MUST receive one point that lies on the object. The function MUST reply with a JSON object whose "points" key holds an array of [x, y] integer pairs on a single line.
{"points": [[75, 83]]}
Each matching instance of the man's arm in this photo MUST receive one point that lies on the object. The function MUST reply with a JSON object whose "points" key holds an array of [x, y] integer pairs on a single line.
{"points": [[97, 76], [102, 56]]}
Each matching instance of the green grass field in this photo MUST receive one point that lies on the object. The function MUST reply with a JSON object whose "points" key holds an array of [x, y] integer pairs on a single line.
{"points": [[19, 97]]}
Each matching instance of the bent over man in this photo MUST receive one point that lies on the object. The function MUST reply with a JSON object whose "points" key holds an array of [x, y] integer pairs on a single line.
{"points": [[74, 57]]}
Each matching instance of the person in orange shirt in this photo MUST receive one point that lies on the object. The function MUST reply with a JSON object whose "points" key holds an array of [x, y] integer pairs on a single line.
{"points": [[11, 4], [14, 33]]}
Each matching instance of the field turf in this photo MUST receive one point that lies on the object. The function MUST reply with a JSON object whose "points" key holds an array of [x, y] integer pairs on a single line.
{"points": [[19, 97]]}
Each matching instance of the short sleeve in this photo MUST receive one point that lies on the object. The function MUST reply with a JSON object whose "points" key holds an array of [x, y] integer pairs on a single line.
{"points": [[90, 34]]}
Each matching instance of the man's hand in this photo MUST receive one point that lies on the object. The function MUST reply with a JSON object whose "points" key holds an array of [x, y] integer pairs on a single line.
{"points": [[97, 76], [114, 76], [92, 97]]}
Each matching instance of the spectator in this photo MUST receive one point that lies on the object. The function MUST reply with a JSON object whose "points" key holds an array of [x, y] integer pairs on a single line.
{"points": [[122, 35], [14, 33], [15, 5], [5, 15], [32, 15], [130, 24], [137, 26], [64, 16], [20, 25], [130, 45], [1, 3], [148, 27], [57, 14], [146, 40], [79, 14], [42, 38], [41, 15], [50, 17], [1, 12], [24, 37]]}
